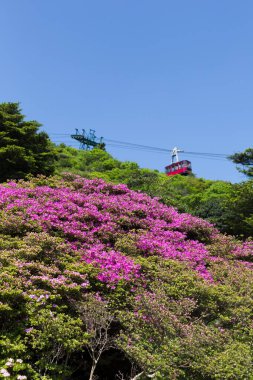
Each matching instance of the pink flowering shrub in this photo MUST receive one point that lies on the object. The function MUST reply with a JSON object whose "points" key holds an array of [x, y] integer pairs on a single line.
{"points": [[92, 214]]}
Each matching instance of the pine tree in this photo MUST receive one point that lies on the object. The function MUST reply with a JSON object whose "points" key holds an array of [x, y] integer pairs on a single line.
{"points": [[23, 150], [246, 160]]}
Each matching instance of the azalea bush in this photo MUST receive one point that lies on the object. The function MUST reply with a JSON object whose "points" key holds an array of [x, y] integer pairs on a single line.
{"points": [[178, 293]]}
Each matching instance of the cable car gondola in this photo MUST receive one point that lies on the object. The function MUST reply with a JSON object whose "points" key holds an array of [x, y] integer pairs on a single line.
{"points": [[178, 167]]}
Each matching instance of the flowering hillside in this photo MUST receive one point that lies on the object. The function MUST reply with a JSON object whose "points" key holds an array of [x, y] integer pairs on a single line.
{"points": [[94, 273]]}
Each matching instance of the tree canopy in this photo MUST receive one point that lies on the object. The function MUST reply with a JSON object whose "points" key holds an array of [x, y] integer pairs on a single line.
{"points": [[23, 150]]}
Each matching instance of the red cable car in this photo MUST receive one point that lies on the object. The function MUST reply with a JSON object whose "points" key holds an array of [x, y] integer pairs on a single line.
{"points": [[178, 167]]}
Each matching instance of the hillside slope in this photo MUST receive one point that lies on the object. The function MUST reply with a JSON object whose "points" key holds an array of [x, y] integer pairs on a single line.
{"points": [[228, 206], [97, 277]]}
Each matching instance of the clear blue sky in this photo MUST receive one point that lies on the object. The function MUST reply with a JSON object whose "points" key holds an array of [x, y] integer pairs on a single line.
{"points": [[161, 73]]}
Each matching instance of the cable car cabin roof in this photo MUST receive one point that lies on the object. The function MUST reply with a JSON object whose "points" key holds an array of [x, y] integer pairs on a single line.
{"points": [[184, 163]]}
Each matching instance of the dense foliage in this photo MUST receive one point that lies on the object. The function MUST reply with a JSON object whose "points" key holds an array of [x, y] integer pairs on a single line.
{"points": [[100, 280], [23, 150]]}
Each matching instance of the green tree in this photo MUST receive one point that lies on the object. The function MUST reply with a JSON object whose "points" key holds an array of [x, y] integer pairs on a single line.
{"points": [[212, 203], [239, 210], [22, 149], [245, 159]]}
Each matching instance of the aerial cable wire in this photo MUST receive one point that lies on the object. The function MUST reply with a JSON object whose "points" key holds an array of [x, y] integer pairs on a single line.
{"points": [[134, 146], [124, 143], [121, 143]]}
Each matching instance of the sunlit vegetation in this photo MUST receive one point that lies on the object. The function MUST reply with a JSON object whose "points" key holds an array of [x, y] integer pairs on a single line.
{"points": [[94, 274], [113, 272]]}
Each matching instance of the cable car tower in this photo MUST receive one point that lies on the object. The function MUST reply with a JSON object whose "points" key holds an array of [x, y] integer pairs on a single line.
{"points": [[174, 155], [178, 167], [88, 139]]}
